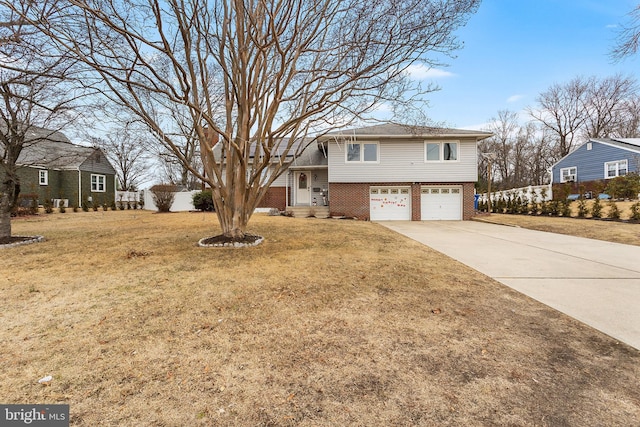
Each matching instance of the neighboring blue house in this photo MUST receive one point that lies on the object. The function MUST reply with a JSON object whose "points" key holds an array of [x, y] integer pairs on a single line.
{"points": [[598, 160]]}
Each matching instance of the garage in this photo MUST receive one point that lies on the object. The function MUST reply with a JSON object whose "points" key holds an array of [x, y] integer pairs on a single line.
{"points": [[390, 203], [441, 203]]}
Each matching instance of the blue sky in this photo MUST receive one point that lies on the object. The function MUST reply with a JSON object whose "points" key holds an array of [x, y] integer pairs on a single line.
{"points": [[516, 49]]}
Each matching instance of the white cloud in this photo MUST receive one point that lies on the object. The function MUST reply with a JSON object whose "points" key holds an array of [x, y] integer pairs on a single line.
{"points": [[423, 72], [611, 26], [514, 98]]}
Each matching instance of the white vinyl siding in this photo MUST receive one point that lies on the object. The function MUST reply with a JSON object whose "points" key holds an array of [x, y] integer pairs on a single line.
{"points": [[404, 161]]}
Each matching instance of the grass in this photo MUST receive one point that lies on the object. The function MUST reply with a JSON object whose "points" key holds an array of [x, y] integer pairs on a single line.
{"points": [[326, 323], [607, 230]]}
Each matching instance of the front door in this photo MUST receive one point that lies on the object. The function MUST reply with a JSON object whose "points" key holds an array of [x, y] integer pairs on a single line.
{"points": [[302, 188]]}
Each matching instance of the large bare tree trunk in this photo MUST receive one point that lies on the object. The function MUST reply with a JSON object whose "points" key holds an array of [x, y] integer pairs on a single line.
{"points": [[9, 190], [5, 218]]}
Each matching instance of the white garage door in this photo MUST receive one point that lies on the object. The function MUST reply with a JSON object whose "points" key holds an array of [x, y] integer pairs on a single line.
{"points": [[441, 203], [390, 203]]}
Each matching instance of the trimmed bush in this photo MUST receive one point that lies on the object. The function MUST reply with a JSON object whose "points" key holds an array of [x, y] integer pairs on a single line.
{"points": [[596, 210], [203, 201], [614, 212], [635, 211], [163, 196], [624, 187]]}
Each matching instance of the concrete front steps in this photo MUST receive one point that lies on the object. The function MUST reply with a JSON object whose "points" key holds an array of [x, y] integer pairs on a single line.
{"points": [[307, 211]]}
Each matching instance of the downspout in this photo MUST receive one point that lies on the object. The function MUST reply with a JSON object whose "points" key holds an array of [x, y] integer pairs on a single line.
{"points": [[79, 188], [286, 191], [550, 193]]}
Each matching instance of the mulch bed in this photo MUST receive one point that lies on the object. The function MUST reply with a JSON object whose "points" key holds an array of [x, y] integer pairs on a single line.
{"points": [[222, 240], [16, 240]]}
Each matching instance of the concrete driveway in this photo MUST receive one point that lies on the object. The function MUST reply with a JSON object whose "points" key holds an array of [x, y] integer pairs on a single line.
{"points": [[595, 282]]}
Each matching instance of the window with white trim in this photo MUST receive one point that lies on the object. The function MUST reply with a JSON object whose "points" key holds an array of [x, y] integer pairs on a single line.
{"points": [[441, 151], [362, 152], [98, 183], [617, 168], [43, 177], [569, 174]]}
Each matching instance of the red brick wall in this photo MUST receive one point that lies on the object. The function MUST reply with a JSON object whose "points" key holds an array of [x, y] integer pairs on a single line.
{"points": [[352, 200], [276, 197], [468, 192]]}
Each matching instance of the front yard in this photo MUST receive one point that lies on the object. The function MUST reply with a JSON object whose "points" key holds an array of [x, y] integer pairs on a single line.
{"points": [[326, 323]]}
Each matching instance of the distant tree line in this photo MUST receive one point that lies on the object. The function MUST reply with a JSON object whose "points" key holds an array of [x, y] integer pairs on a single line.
{"points": [[564, 116]]}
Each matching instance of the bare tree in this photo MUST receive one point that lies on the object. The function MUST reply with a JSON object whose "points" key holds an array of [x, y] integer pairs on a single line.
{"points": [[542, 155], [629, 127], [505, 129], [188, 145], [606, 105], [628, 36], [521, 154], [562, 110], [126, 146], [35, 96], [283, 68]]}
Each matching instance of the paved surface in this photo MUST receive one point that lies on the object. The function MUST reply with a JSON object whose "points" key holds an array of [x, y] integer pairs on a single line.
{"points": [[593, 281]]}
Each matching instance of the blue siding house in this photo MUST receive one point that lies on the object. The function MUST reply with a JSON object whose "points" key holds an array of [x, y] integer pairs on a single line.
{"points": [[598, 160]]}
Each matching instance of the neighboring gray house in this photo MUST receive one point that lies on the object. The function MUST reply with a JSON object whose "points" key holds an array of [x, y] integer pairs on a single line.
{"points": [[598, 160], [51, 167], [385, 172]]}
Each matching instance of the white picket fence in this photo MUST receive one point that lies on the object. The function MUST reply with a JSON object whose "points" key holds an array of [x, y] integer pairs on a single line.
{"points": [[127, 197], [532, 193]]}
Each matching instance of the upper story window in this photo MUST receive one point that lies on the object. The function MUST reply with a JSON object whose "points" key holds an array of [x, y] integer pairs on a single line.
{"points": [[43, 177], [441, 151], [362, 152], [569, 174], [614, 169], [98, 183]]}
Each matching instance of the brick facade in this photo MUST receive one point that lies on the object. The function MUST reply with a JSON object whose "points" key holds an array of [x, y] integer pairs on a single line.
{"points": [[352, 200], [276, 197]]}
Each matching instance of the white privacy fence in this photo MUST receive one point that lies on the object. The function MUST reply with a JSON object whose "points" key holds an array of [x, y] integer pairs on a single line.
{"points": [[532, 193], [183, 201]]}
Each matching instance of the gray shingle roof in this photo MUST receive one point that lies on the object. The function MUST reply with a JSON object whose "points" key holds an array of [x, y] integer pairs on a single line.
{"points": [[632, 144], [52, 149], [397, 130]]}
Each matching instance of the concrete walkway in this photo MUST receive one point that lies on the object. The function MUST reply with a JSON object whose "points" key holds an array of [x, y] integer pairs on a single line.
{"points": [[593, 281]]}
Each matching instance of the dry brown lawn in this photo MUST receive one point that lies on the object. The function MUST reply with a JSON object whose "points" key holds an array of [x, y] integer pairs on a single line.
{"points": [[327, 323], [611, 231]]}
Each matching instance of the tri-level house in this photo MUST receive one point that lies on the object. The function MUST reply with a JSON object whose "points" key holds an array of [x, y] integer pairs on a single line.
{"points": [[383, 172]]}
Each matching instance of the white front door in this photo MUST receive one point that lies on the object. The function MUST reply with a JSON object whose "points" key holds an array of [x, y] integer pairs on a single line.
{"points": [[302, 188]]}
